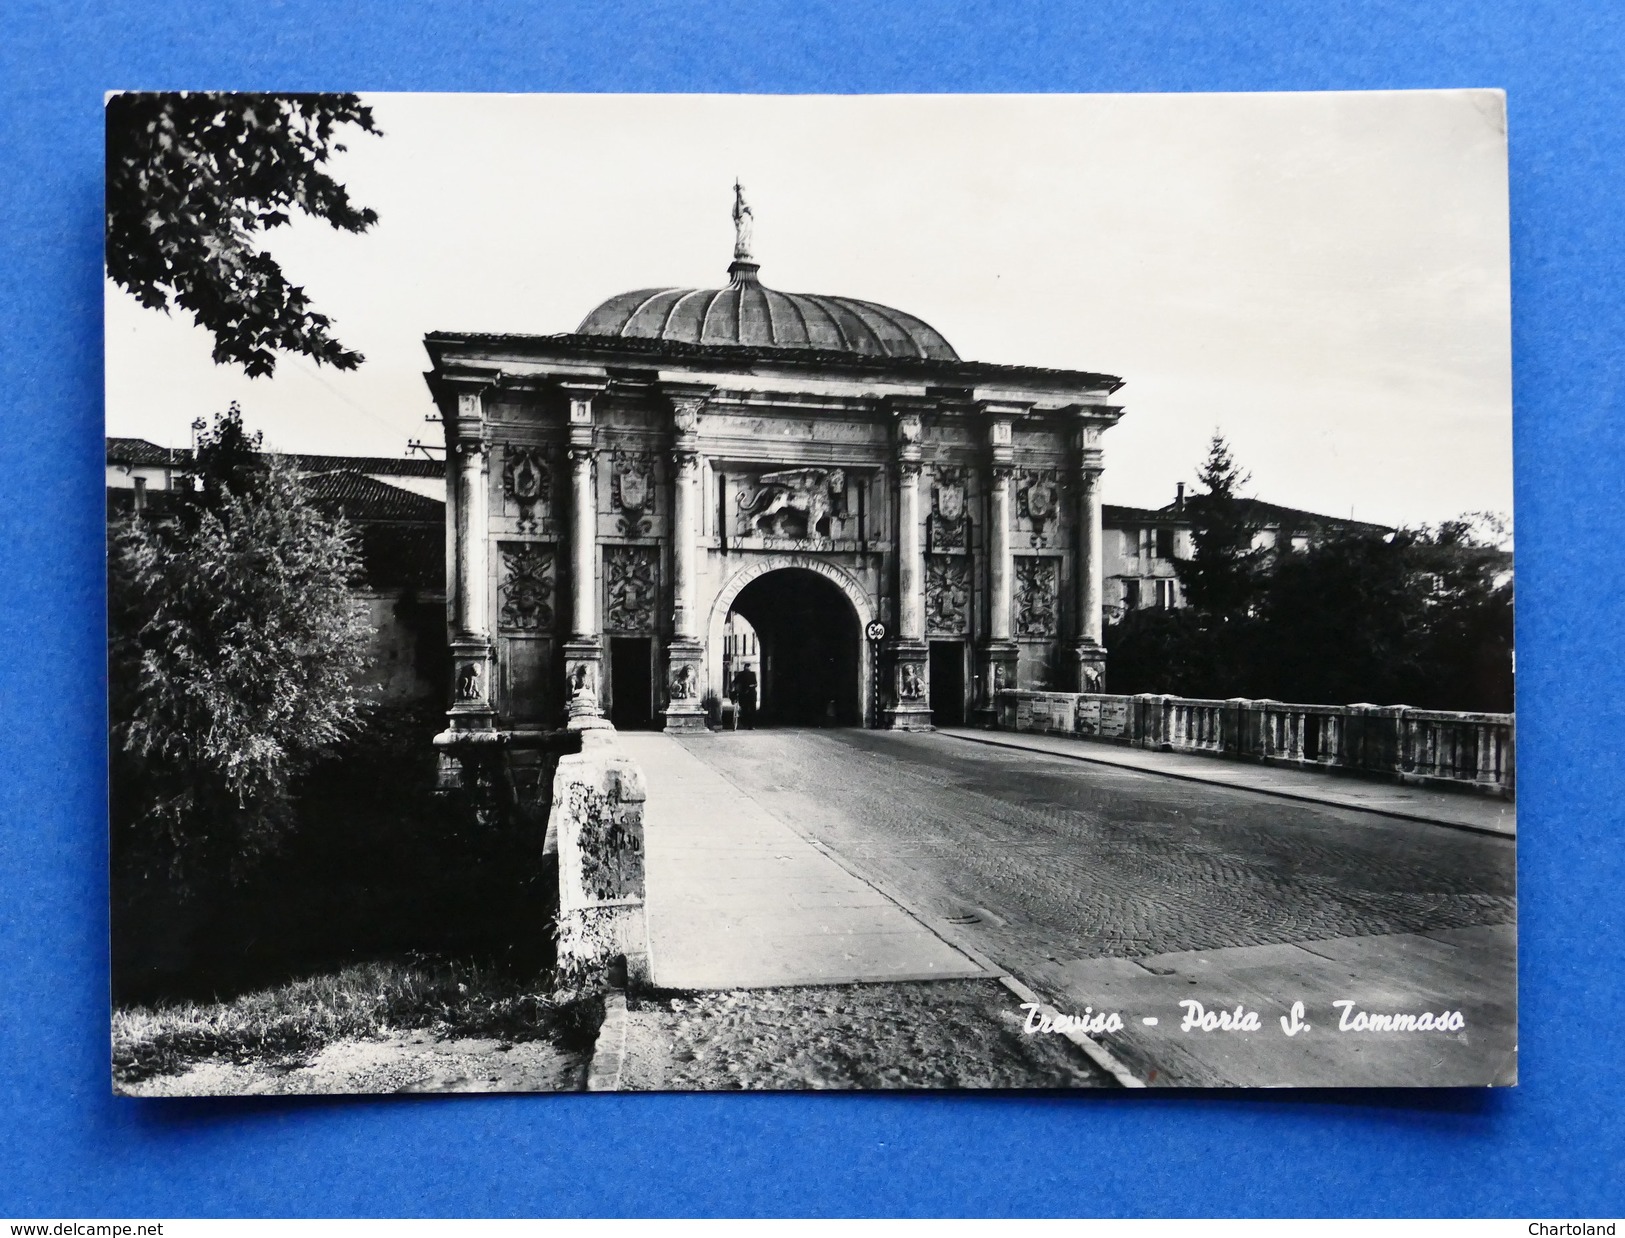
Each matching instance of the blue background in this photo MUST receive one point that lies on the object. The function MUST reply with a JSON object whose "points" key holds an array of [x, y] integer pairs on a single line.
{"points": [[1552, 1147]]}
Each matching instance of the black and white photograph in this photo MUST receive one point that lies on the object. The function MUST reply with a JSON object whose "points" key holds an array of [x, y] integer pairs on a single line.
{"points": [[665, 593]]}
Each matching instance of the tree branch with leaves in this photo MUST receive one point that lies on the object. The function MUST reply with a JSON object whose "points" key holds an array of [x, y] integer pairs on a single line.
{"points": [[195, 179]]}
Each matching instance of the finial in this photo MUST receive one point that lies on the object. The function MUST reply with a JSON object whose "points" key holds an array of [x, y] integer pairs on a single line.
{"points": [[744, 222]]}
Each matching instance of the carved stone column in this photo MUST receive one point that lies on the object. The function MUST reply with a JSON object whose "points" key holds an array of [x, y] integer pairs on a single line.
{"points": [[583, 652], [472, 654], [471, 716], [910, 706], [998, 659], [685, 655], [1088, 650]]}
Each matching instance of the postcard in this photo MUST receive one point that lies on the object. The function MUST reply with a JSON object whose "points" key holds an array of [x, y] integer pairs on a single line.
{"points": [[656, 593]]}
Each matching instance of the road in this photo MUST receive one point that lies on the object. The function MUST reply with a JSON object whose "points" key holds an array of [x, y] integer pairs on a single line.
{"points": [[1062, 872]]}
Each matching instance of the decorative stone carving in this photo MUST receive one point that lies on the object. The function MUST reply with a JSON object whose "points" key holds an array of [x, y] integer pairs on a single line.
{"points": [[1040, 501], [799, 503], [948, 520], [582, 681], [469, 685], [1037, 594], [684, 682], [632, 586], [527, 482], [947, 594], [631, 491], [526, 591], [910, 683]]}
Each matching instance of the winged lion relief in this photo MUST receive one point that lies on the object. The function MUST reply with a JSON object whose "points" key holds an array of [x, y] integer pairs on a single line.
{"points": [[794, 503]]}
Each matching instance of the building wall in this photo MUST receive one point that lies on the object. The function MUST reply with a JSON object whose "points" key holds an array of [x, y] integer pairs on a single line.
{"points": [[743, 434]]}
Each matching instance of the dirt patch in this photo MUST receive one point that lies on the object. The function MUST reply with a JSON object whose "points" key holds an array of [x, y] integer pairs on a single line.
{"points": [[394, 1064], [938, 1034]]}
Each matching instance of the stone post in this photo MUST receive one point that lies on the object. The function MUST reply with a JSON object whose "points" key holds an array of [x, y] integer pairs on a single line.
{"points": [[1088, 649], [999, 651], [685, 655], [583, 652], [910, 695], [596, 820]]}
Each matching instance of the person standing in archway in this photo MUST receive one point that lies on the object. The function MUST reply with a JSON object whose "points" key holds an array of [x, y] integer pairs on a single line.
{"points": [[744, 694]]}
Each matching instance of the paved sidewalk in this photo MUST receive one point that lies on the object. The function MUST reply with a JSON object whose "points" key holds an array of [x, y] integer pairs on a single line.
{"points": [[737, 899], [1461, 809]]}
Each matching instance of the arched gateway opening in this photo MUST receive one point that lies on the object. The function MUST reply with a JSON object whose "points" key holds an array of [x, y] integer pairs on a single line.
{"points": [[811, 649]]}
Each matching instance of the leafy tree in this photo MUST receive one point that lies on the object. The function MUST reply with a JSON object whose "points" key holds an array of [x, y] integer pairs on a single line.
{"points": [[1225, 570], [194, 178], [1343, 622], [234, 647]]}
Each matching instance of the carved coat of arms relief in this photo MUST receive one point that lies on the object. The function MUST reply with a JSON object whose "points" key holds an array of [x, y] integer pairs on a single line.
{"points": [[1040, 502], [527, 482], [1037, 596], [948, 522], [631, 491], [526, 589], [631, 588], [947, 594]]}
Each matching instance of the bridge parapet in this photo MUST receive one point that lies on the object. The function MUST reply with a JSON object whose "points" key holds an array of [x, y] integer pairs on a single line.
{"points": [[1422, 746]]}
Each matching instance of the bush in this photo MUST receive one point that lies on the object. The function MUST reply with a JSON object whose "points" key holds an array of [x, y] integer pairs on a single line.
{"points": [[234, 648]]}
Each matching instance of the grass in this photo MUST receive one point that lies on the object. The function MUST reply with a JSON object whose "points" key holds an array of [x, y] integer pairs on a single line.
{"points": [[292, 1021]]}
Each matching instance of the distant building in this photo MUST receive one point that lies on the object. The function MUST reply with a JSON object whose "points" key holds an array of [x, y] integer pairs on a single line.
{"points": [[1143, 544], [398, 512]]}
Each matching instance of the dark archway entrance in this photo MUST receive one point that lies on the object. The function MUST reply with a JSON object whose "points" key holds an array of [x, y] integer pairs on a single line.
{"points": [[810, 649]]}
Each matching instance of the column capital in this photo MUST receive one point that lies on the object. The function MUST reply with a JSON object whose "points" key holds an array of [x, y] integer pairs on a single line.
{"points": [[578, 452]]}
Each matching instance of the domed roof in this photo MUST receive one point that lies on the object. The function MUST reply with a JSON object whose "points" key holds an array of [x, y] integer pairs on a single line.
{"points": [[749, 314]]}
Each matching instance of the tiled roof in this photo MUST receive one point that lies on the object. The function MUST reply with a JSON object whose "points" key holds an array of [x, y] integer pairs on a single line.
{"points": [[1257, 512], [397, 466], [1114, 516], [137, 451], [361, 498]]}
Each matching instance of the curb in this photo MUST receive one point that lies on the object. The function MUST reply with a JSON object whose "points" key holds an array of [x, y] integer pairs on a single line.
{"points": [[609, 1050], [1182, 776]]}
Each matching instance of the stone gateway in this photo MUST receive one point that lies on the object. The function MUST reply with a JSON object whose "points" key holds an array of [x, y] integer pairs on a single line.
{"points": [[814, 464]]}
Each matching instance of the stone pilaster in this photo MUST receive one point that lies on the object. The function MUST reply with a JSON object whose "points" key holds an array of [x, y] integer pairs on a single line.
{"points": [[584, 651], [685, 654], [909, 707], [1088, 648]]}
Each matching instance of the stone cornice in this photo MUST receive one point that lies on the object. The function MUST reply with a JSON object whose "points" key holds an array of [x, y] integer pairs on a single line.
{"points": [[589, 352]]}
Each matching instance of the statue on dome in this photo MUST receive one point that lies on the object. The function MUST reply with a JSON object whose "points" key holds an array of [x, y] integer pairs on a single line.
{"points": [[744, 223]]}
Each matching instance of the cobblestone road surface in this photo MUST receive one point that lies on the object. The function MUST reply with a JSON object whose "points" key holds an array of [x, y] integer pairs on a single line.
{"points": [[1035, 858]]}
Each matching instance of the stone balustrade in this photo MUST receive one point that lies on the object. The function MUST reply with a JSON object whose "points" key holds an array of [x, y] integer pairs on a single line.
{"points": [[1424, 746]]}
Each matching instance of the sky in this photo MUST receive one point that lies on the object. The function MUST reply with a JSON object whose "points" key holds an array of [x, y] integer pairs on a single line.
{"points": [[1322, 278]]}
